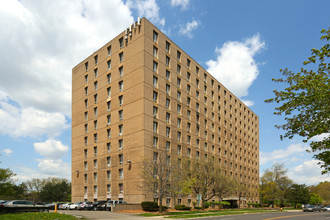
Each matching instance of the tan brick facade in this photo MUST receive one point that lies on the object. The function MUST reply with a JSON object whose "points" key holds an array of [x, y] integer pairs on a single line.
{"points": [[162, 99]]}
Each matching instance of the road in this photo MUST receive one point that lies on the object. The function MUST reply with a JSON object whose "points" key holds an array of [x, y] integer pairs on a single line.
{"points": [[102, 215]]}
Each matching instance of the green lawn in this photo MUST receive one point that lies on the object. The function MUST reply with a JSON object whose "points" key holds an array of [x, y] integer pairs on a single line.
{"points": [[37, 215], [194, 214]]}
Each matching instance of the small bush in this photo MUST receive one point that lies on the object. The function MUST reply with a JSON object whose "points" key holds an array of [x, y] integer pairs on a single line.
{"points": [[182, 207], [149, 206], [225, 204], [206, 205]]}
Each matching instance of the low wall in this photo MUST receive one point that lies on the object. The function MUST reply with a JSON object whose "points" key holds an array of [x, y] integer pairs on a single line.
{"points": [[120, 207]]}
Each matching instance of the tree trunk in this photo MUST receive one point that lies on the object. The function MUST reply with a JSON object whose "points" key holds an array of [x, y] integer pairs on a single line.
{"points": [[160, 204]]}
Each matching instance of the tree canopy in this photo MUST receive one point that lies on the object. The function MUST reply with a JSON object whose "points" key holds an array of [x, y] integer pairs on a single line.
{"points": [[306, 103]]}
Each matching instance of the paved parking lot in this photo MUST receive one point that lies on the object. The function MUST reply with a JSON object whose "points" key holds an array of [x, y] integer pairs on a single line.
{"points": [[100, 215]]}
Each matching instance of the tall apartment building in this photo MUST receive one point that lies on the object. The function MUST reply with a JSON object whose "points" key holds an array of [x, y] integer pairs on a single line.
{"points": [[140, 94]]}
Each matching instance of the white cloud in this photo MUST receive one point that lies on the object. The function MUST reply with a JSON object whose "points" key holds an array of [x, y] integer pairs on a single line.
{"points": [[235, 66], [41, 41], [47, 169], [282, 154], [28, 122], [7, 152], [307, 173], [190, 26], [320, 137], [51, 149], [56, 168], [148, 9], [248, 103], [183, 3]]}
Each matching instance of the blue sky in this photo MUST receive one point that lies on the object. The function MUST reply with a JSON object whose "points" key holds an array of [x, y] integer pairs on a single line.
{"points": [[242, 43]]}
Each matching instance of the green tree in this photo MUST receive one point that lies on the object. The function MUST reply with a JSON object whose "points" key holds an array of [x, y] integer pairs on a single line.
{"points": [[6, 183], [306, 103], [298, 194], [275, 184], [315, 199], [223, 186], [156, 174], [34, 187], [55, 190]]}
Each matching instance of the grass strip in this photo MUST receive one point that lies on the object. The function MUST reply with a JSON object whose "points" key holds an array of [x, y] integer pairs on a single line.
{"points": [[37, 216]]}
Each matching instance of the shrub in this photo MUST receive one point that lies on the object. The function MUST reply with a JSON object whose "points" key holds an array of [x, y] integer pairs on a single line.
{"points": [[214, 203], [206, 205], [182, 207], [149, 206], [225, 204]]}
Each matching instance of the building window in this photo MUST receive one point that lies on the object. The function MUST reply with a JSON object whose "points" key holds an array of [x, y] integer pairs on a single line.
{"points": [[155, 111], [85, 166], [109, 50], [168, 146], [155, 37], [85, 153], [95, 124], [188, 114], [95, 164], [168, 130], [108, 175], [121, 42], [109, 147], [168, 89], [109, 64], [168, 75], [155, 96], [108, 188], [109, 78], [121, 188], [95, 85], [121, 144], [179, 109], [178, 69], [121, 174], [109, 133], [197, 70], [188, 63], [155, 66], [188, 126], [96, 59], [95, 98], [179, 136], [188, 101], [86, 78], [168, 117], [85, 177], [121, 100], [155, 52], [121, 86], [86, 90], [178, 82], [188, 76], [179, 122], [155, 142], [178, 55], [86, 128], [121, 71], [86, 103], [155, 81], [167, 61], [155, 127], [108, 105], [197, 155], [179, 96], [120, 129], [168, 103], [96, 72], [167, 46], [95, 177], [120, 113], [188, 152], [179, 149], [121, 159], [121, 57], [86, 66], [188, 139], [108, 119], [95, 112], [108, 92]]}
